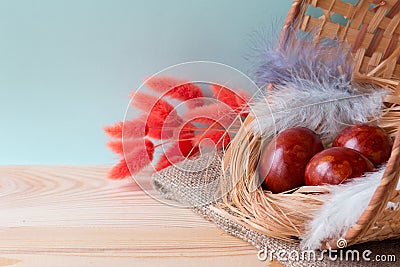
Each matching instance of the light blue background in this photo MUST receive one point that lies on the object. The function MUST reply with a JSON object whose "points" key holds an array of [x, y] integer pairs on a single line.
{"points": [[67, 67]]}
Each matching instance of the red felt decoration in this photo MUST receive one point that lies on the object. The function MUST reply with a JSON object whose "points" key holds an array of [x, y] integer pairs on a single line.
{"points": [[126, 146], [162, 117], [219, 137], [236, 100], [133, 161], [133, 128], [177, 89], [181, 134], [214, 113]]}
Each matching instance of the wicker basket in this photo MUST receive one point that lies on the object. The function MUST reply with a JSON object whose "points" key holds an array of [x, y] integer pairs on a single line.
{"points": [[373, 32]]}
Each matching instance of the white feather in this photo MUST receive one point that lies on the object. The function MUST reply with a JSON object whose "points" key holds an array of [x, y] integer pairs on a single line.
{"points": [[321, 106], [345, 205]]}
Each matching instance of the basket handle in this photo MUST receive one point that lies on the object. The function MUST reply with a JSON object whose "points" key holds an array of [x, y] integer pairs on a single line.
{"points": [[379, 199], [289, 21]]}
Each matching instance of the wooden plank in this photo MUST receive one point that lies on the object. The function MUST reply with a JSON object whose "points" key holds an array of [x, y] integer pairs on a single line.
{"points": [[74, 216]]}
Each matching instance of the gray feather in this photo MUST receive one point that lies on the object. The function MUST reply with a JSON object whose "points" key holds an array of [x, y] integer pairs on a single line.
{"points": [[320, 106]]}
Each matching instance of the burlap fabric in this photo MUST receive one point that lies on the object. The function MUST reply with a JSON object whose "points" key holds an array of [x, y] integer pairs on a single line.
{"points": [[195, 183]]}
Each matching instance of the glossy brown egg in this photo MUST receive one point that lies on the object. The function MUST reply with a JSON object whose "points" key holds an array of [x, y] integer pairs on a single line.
{"points": [[285, 158], [368, 139], [336, 165]]}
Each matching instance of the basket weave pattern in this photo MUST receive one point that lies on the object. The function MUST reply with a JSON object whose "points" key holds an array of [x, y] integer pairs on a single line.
{"points": [[372, 29]]}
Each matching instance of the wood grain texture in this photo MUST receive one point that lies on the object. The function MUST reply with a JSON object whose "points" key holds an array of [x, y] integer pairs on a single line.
{"points": [[74, 216]]}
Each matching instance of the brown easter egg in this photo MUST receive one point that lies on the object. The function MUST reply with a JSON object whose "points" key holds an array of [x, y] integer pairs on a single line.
{"points": [[285, 158], [335, 166], [370, 140]]}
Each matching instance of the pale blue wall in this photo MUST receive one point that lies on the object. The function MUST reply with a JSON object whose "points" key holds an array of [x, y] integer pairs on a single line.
{"points": [[67, 67]]}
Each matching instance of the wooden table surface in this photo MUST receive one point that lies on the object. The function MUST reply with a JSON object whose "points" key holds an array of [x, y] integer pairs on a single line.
{"points": [[74, 216]]}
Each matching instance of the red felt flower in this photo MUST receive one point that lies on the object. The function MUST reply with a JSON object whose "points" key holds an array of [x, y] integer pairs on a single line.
{"points": [[180, 150], [162, 117], [219, 138], [133, 128], [133, 161], [217, 112], [236, 100], [180, 134], [128, 145], [177, 89]]}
